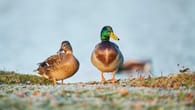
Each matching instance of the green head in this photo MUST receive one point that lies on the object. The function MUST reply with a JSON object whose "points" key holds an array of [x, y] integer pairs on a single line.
{"points": [[106, 33]]}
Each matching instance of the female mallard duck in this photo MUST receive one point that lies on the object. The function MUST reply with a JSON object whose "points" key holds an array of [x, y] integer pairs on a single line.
{"points": [[59, 66], [106, 56]]}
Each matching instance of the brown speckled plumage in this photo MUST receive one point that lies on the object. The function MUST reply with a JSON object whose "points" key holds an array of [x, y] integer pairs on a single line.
{"points": [[59, 66]]}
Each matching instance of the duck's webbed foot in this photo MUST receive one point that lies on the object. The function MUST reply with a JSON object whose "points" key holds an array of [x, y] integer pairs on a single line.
{"points": [[113, 80]]}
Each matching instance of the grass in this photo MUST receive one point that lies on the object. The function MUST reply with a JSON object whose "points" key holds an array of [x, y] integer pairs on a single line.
{"points": [[174, 81], [10, 77], [173, 92]]}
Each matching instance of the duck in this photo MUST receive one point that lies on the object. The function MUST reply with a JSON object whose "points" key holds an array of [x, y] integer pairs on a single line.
{"points": [[135, 65], [106, 56], [59, 66]]}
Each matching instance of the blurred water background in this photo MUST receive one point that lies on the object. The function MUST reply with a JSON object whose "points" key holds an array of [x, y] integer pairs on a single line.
{"points": [[160, 30]]}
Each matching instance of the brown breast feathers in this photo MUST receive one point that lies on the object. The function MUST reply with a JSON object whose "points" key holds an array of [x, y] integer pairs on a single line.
{"points": [[105, 53]]}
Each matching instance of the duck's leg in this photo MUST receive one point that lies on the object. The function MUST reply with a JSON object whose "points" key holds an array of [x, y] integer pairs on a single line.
{"points": [[102, 77], [113, 77], [62, 81], [54, 81]]}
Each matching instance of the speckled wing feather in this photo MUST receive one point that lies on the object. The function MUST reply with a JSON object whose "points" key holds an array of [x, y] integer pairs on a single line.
{"points": [[52, 60]]}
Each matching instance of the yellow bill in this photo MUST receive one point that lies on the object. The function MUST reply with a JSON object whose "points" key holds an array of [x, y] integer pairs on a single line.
{"points": [[113, 36]]}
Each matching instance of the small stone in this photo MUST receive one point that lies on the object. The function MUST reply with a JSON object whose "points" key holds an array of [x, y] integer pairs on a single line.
{"points": [[36, 94], [28, 82], [123, 91]]}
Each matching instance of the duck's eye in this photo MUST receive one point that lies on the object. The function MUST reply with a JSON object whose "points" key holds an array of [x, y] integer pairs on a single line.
{"points": [[107, 32], [64, 45]]}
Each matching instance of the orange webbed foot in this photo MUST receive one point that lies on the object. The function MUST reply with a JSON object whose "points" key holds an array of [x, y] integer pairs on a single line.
{"points": [[112, 80]]}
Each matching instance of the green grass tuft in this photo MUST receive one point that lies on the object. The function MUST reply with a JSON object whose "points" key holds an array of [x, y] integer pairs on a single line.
{"points": [[11, 77]]}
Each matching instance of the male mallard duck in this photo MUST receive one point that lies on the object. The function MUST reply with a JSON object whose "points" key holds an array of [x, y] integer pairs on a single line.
{"points": [[106, 56], [59, 66]]}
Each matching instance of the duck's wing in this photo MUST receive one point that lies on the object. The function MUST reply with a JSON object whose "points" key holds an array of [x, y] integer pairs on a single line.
{"points": [[119, 53], [52, 60]]}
